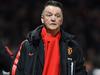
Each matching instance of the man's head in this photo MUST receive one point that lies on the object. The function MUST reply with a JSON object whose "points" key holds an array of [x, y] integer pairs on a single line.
{"points": [[52, 15]]}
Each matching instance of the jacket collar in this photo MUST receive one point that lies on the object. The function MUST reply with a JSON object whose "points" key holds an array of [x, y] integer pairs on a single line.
{"points": [[35, 35]]}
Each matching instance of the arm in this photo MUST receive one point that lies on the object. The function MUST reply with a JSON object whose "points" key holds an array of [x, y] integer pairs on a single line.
{"points": [[80, 68], [5, 59], [78, 58], [18, 65]]}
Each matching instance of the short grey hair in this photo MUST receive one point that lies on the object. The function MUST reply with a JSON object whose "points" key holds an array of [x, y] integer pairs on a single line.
{"points": [[53, 3]]}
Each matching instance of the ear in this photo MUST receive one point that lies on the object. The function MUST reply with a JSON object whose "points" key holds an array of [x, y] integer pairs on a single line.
{"points": [[42, 19]]}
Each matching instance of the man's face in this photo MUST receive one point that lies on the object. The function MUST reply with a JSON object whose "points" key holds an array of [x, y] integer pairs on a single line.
{"points": [[52, 17]]}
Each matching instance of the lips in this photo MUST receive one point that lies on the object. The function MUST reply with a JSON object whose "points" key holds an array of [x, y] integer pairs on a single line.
{"points": [[53, 24]]}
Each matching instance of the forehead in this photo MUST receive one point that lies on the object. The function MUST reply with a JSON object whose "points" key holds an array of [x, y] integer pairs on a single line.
{"points": [[52, 9]]}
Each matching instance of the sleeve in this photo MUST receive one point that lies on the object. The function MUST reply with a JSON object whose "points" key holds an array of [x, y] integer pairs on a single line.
{"points": [[79, 62], [19, 61]]}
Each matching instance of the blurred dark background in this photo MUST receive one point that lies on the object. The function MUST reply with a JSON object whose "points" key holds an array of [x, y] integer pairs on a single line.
{"points": [[81, 18]]}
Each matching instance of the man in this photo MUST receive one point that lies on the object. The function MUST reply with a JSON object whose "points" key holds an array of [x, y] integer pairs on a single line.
{"points": [[48, 50], [5, 60]]}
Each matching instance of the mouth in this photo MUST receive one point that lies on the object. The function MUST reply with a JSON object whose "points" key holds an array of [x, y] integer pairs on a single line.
{"points": [[53, 24]]}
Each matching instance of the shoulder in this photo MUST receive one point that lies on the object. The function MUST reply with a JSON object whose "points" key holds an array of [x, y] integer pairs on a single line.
{"points": [[71, 41], [27, 46], [66, 35], [69, 38]]}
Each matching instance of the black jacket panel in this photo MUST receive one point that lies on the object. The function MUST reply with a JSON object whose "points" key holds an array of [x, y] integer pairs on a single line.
{"points": [[32, 55]]}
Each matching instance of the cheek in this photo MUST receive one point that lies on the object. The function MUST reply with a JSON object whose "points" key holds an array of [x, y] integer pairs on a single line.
{"points": [[46, 21], [60, 21]]}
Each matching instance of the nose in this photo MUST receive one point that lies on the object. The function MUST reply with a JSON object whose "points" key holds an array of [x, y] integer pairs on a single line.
{"points": [[53, 18]]}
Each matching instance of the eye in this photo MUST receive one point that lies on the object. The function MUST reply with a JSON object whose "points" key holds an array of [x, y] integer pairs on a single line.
{"points": [[58, 15], [48, 15]]}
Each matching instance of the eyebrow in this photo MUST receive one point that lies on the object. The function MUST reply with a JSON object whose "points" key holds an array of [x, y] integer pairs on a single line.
{"points": [[50, 12], [47, 12]]}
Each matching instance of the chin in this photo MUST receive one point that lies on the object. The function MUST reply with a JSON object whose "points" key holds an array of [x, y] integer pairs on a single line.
{"points": [[53, 28]]}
